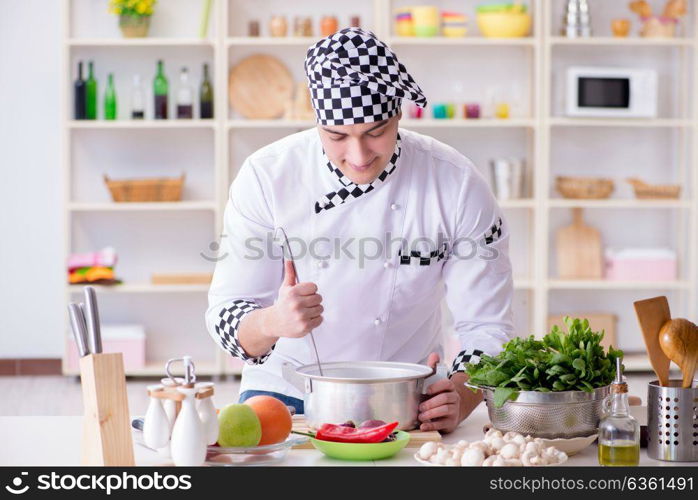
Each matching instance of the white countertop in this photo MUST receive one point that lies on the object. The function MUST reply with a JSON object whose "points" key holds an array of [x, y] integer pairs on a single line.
{"points": [[55, 441]]}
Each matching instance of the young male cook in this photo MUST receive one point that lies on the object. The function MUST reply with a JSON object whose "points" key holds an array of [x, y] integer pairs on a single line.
{"points": [[383, 224]]}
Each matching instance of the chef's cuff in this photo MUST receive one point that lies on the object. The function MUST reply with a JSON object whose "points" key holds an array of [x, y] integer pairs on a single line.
{"points": [[463, 357], [227, 330]]}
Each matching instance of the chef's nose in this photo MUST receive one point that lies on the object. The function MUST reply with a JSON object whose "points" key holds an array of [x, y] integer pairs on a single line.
{"points": [[357, 152]]}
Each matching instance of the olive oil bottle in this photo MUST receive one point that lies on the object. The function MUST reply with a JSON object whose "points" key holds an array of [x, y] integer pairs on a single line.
{"points": [[619, 432]]}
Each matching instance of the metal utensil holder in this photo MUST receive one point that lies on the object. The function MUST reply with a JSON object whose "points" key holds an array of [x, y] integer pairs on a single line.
{"points": [[672, 422]]}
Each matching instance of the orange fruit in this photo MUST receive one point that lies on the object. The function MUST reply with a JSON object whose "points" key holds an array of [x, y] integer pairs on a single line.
{"points": [[274, 417]]}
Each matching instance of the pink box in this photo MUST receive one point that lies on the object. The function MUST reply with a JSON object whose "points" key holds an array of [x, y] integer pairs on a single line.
{"points": [[641, 265], [126, 339]]}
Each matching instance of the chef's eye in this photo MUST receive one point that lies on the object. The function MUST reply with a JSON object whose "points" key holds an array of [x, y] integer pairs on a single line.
{"points": [[376, 135], [340, 138]]}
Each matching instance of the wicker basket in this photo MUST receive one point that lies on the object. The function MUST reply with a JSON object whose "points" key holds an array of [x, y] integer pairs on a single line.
{"points": [[584, 187], [140, 190], [648, 191]]}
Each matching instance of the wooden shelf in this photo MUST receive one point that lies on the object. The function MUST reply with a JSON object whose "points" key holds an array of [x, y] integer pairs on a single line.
{"points": [[289, 41], [556, 284], [140, 42], [140, 124], [618, 122], [621, 203], [405, 122], [142, 288], [604, 41], [163, 206]]}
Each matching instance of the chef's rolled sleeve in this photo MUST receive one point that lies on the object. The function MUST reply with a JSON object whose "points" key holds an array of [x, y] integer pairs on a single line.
{"points": [[247, 276], [477, 274]]}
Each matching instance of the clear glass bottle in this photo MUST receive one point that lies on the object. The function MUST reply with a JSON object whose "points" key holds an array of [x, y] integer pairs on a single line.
{"points": [[619, 432], [137, 99], [185, 96]]}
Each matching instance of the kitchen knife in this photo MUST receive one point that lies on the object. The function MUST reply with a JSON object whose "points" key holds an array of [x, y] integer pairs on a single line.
{"points": [[92, 318], [79, 332]]}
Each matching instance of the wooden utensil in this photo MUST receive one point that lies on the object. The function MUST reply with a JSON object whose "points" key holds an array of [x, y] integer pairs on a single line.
{"points": [[579, 250], [679, 341], [260, 87], [652, 314]]}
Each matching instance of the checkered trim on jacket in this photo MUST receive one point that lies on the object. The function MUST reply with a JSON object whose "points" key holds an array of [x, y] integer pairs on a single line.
{"points": [[227, 329]]}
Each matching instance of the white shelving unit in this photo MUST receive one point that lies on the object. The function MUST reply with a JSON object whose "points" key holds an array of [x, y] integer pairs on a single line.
{"points": [[531, 133]]}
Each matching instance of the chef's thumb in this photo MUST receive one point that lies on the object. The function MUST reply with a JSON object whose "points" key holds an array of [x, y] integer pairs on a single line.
{"points": [[290, 278]]}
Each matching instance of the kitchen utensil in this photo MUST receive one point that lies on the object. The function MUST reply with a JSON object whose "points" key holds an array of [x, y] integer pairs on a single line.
{"points": [[672, 422], [253, 455], [188, 443], [207, 414], [584, 188], [652, 314], [77, 322], [576, 21], [645, 191], [597, 322], [156, 427], [362, 451], [282, 239], [189, 371], [579, 250], [503, 20], [260, 86], [360, 390], [92, 319], [426, 20], [417, 437], [507, 178], [551, 415], [678, 338]]}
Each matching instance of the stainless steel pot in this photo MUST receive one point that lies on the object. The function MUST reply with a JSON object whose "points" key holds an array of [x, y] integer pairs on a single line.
{"points": [[360, 390]]}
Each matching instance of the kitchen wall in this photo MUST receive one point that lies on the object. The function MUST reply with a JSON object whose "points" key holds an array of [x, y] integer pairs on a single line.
{"points": [[31, 223]]}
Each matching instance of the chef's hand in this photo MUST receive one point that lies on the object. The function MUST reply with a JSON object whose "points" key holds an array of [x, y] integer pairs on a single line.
{"points": [[441, 412], [297, 310]]}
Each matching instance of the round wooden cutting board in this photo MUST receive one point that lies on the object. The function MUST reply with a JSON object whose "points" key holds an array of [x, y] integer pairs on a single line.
{"points": [[260, 87]]}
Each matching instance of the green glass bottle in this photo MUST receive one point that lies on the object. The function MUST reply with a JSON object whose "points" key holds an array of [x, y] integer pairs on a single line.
{"points": [[110, 99], [160, 91], [206, 96], [91, 94]]}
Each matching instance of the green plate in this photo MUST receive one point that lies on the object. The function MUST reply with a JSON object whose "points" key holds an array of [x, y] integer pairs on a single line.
{"points": [[362, 451]]}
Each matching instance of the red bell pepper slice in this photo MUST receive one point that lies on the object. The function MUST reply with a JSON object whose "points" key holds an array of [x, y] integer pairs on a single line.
{"points": [[341, 434]]}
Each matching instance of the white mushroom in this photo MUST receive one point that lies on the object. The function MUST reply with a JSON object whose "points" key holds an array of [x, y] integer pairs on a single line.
{"points": [[518, 440], [499, 462], [489, 461], [514, 462], [452, 462], [533, 448], [497, 443], [462, 444], [492, 433], [509, 436], [472, 457], [482, 445], [527, 456], [427, 450], [456, 453], [510, 450]]}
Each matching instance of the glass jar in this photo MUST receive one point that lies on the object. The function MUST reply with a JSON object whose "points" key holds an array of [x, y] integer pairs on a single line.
{"points": [[278, 26], [328, 25]]}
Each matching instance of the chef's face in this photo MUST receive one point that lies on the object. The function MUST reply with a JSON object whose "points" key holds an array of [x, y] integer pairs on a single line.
{"points": [[361, 151]]}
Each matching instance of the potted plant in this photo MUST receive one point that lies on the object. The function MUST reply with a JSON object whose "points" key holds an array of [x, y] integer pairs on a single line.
{"points": [[134, 16]]}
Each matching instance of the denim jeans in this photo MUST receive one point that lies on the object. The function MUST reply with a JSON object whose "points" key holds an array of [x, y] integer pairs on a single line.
{"points": [[287, 400]]}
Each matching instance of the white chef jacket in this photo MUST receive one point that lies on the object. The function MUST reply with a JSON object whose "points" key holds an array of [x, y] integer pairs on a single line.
{"points": [[375, 307]]}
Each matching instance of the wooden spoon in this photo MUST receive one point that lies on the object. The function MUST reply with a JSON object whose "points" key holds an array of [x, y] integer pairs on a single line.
{"points": [[679, 341], [652, 314]]}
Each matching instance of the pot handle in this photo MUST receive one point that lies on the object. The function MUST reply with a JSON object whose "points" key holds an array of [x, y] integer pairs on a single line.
{"points": [[289, 374]]}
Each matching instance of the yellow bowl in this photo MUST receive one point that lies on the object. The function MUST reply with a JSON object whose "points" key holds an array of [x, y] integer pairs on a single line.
{"points": [[504, 24]]}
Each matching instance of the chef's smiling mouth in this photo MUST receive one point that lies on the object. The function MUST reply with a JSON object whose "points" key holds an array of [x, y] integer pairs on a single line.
{"points": [[360, 168]]}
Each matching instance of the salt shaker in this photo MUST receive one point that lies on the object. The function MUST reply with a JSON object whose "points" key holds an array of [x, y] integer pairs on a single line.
{"points": [[188, 445], [156, 428], [207, 414]]}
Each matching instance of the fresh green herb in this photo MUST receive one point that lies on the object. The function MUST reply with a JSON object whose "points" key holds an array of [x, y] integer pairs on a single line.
{"points": [[572, 361]]}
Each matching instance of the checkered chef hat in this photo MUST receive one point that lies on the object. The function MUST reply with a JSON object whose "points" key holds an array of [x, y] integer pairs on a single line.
{"points": [[356, 78]]}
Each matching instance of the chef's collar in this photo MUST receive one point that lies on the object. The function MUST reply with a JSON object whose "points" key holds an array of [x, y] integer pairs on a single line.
{"points": [[355, 78], [349, 189]]}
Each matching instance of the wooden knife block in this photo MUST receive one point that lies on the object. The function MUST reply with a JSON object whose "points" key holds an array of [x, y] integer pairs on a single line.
{"points": [[106, 436]]}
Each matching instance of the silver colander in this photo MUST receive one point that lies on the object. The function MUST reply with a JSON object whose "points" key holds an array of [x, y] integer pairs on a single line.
{"points": [[564, 414]]}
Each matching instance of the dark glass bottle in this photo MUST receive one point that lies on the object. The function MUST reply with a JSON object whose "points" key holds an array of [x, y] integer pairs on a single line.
{"points": [[160, 91], [185, 96], [110, 99], [79, 95], [206, 96], [91, 93]]}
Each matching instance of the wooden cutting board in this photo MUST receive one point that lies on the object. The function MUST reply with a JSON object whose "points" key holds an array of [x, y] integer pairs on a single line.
{"points": [[417, 438], [260, 87], [579, 250]]}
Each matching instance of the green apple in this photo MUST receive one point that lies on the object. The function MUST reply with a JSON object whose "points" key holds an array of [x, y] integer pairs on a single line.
{"points": [[239, 425]]}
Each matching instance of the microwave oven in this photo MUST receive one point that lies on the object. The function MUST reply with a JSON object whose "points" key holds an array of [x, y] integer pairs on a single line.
{"points": [[611, 92]]}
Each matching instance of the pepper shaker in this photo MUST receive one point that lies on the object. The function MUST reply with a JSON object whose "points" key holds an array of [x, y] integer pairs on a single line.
{"points": [[207, 414], [188, 445]]}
